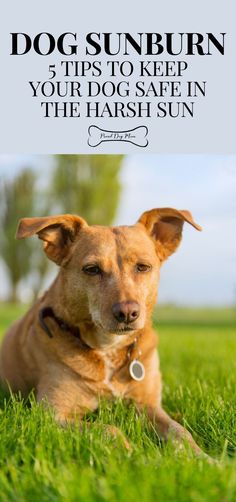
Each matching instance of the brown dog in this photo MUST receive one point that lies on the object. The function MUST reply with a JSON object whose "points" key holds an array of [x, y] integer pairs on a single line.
{"points": [[90, 335]]}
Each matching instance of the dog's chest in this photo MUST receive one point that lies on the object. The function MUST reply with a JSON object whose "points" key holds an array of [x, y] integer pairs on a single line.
{"points": [[115, 373]]}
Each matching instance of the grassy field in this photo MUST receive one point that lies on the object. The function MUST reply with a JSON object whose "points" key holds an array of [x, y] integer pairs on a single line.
{"points": [[40, 461]]}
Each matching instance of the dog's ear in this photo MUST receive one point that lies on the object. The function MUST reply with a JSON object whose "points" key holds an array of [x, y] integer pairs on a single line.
{"points": [[165, 227], [57, 232]]}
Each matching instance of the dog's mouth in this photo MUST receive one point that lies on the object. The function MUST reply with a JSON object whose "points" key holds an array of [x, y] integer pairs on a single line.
{"points": [[116, 330], [119, 330], [125, 329]]}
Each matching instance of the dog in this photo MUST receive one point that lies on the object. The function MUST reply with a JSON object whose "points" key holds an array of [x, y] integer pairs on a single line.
{"points": [[90, 335]]}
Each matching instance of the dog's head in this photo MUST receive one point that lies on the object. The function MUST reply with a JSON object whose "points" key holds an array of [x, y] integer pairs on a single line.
{"points": [[109, 275]]}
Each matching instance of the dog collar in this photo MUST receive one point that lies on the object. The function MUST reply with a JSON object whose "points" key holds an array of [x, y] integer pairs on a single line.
{"points": [[48, 312]]}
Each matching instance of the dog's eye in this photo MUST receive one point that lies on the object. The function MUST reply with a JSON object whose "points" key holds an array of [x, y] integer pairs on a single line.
{"points": [[143, 267], [92, 270]]}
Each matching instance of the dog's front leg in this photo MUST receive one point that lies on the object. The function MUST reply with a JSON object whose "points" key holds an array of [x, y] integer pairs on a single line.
{"points": [[169, 429], [70, 402], [147, 396], [66, 396]]}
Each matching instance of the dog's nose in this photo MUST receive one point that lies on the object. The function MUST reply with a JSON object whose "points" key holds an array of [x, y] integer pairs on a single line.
{"points": [[126, 311]]}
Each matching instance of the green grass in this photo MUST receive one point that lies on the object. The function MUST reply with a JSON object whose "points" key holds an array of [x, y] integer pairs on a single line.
{"points": [[40, 461]]}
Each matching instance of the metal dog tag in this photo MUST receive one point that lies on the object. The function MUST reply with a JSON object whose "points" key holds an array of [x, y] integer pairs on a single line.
{"points": [[137, 370]]}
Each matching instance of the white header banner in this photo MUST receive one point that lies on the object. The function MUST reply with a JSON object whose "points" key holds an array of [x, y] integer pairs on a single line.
{"points": [[114, 78]]}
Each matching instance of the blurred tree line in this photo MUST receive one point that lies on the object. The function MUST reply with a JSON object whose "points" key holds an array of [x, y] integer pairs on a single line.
{"points": [[87, 185]]}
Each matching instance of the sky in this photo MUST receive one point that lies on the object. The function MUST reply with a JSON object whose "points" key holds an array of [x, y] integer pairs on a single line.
{"points": [[203, 270]]}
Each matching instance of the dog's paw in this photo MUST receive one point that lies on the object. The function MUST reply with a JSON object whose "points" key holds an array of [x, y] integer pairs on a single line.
{"points": [[111, 431]]}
